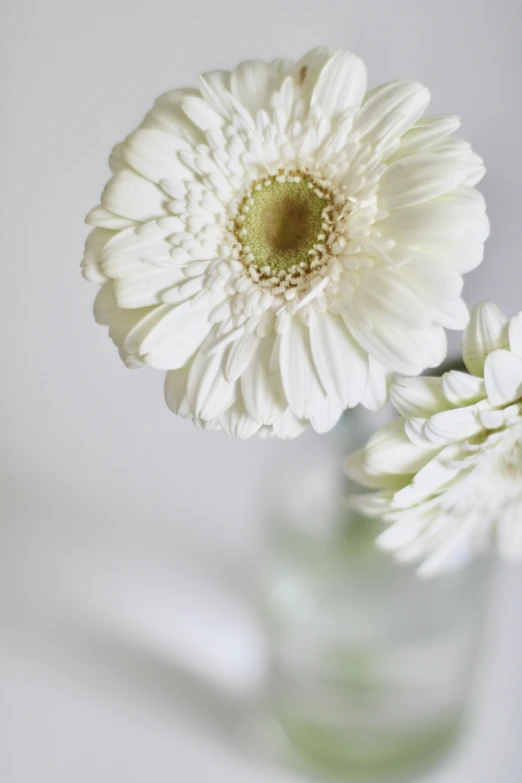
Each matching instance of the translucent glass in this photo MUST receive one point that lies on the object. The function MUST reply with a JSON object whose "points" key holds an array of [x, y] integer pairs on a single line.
{"points": [[370, 667]]}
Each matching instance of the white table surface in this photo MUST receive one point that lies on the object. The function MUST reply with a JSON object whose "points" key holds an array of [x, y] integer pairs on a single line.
{"points": [[121, 524]]}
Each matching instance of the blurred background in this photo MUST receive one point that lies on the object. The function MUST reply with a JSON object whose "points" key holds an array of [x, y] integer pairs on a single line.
{"points": [[130, 542]]}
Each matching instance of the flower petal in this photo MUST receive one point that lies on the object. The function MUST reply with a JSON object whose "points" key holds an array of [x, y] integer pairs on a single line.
{"points": [[386, 294], [261, 385], [356, 469], [400, 350], [417, 179], [390, 110], [462, 153], [287, 425], [432, 478], [202, 114], [453, 553], [463, 253], [406, 530], [443, 220], [417, 397], [116, 159], [389, 450], [94, 245], [104, 218], [132, 196], [341, 84], [515, 334], [154, 155], [301, 383], [284, 67], [341, 363], [425, 133], [252, 84], [239, 355], [371, 504], [176, 336], [209, 392], [121, 323], [176, 391], [379, 379], [459, 388], [326, 416], [434, 280], [503, 377], [236, 421], [485, 333], [432, 346], [141, 267], [216, 89], [453, 315], [167, 115], [456, 424], [309, 67]]}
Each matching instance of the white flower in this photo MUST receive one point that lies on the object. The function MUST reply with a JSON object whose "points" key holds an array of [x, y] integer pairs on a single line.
{"points": [[280, 242], [449, 470]]}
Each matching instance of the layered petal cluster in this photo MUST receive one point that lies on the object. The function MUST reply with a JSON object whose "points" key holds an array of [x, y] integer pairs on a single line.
{"points": [[448, 471], [281, 241]]}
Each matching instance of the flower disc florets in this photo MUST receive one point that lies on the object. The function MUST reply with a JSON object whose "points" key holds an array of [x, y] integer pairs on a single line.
{"points": [[288, 225]]}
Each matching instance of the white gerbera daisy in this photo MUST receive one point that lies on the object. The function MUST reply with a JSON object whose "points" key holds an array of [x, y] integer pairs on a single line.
{"points": [[280, 242], [449, 470]]}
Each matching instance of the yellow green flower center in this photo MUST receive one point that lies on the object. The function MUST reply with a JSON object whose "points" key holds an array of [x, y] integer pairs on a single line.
{"points": [[281, 227], [283, 223]]}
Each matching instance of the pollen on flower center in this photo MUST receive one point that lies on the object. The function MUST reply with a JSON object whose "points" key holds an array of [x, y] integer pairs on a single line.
{"points": [[284, 228], [283, 223]]}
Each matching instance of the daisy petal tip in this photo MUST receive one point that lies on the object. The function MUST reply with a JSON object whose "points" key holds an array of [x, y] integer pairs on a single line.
{"points": [[515, 334], [485, 333]]}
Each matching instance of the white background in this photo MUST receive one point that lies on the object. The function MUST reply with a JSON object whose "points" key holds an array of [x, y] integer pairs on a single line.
{"points": [[120, 519]]}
